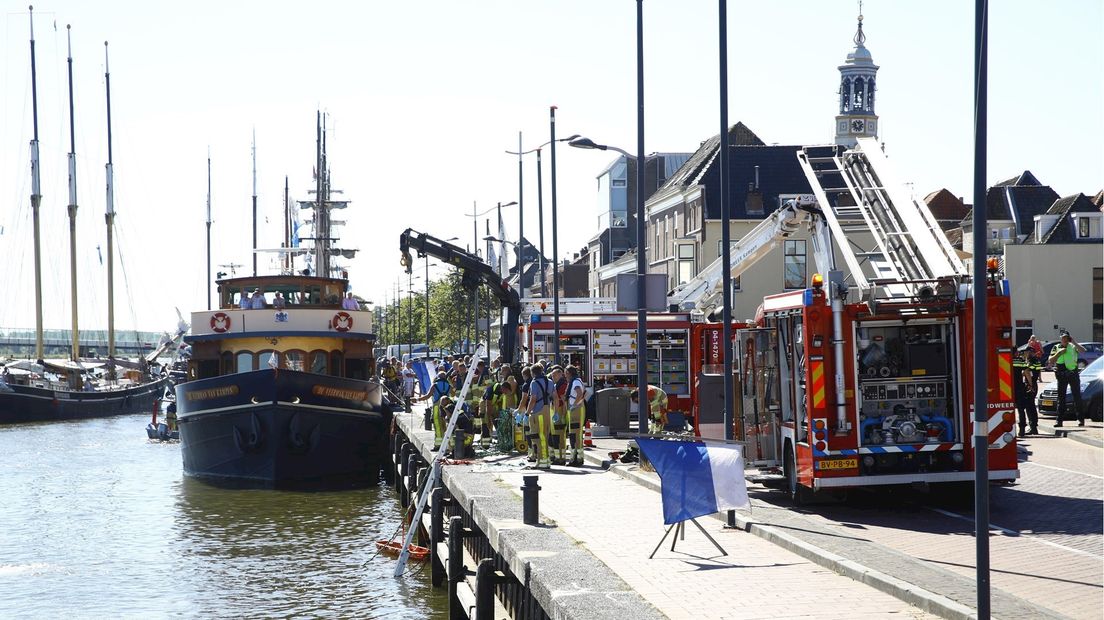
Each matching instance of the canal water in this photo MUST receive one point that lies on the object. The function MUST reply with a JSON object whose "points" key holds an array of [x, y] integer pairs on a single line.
{"points": [[95, 521]]}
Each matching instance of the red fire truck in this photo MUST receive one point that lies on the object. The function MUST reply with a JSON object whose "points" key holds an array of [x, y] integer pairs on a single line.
{"points": [[865, 378]]}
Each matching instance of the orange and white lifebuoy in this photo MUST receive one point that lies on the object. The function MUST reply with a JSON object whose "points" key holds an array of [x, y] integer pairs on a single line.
{"points": [[342, 322], [220, 322]]}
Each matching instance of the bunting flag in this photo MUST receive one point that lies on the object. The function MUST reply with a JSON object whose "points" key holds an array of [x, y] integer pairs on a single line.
{"points": [[696, 479]]}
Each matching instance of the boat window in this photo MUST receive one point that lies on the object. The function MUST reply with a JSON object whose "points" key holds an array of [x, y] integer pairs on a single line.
{"points": [[231, 296], [333, 294], [227, 363], [265, 359], [335, 363], [294, 360], [318, 362], [314, 295], [245, 361]]}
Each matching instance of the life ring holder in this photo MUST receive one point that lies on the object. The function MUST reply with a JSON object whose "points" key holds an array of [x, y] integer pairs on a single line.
{"points": [[342, 322], [220, 318]]}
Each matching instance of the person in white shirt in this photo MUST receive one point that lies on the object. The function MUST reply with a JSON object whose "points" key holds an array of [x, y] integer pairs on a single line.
{"points": [[245, 303], [258, 300], [408, 381], [349, 303]]}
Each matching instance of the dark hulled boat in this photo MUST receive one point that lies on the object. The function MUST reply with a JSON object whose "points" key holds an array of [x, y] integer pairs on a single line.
{"points": [[283, 394]]}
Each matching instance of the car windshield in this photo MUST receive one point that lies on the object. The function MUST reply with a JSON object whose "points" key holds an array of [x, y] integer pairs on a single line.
{"points": [[1095, 369]]}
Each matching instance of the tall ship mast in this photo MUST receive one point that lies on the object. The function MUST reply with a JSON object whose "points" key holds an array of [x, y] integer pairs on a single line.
{"points": [[42, 389], [281, 388]]}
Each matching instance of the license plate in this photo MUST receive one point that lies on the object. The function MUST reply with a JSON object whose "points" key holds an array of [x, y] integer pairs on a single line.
{"points": [[837, 464], [1047, 402]]}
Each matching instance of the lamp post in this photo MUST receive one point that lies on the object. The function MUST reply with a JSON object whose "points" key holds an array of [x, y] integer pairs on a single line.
{"points": [[540, 193], [641, 261], [475, 249], [726, 234]]}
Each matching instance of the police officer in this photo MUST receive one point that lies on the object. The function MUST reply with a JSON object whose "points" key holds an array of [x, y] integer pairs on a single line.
{"points": [[1024, 382], [1064, 359], [657, 408]]}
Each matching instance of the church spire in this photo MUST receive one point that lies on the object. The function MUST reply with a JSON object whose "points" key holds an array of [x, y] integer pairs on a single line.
{"points": [[856, 116]]}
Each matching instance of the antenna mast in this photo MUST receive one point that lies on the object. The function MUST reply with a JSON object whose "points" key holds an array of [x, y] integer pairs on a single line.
{"points": [[254, 149], [208, 228], [36, 198]]}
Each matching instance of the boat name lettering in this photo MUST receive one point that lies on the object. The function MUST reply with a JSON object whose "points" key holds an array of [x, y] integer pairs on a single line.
{"points": [[332, 392], [229, 390]]}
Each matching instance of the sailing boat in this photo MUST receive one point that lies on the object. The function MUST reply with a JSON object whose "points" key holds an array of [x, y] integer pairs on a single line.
{"points": [[59, 390], [283, 390]]}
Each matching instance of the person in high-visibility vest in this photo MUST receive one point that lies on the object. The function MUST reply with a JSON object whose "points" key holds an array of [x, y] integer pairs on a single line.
{"points": [[657, 408], [542, 400], [440, 388], [523, 418], [558, 440], [1025, 389], [576, 415], [1064, 359], [489, 406], [500, 397]]}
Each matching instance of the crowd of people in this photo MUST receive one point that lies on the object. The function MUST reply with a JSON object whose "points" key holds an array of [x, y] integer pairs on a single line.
{"points": [[1028, 366]]}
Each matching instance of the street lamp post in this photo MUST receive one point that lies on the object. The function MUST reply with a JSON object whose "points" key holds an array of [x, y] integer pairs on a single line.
{"points": [[540, 193], [475, 249], [641, 261]]}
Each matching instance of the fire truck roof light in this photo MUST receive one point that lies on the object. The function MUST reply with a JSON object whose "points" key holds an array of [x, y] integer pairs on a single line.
{"points": [[818, 280]]}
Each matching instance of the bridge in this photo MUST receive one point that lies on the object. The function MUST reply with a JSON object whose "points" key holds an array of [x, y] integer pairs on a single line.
{"points": [[20, 342]]}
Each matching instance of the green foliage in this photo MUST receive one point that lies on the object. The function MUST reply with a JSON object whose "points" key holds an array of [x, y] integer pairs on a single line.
{"points": [[450, 308]]}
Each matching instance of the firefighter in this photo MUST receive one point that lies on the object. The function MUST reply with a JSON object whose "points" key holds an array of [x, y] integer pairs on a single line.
{"points": [[1025, 386], [542, 400], [464, 426], [558, 440], [439, 390], [657, 408], [500, 397], [576, 415], [480, 384], [522, 418]]}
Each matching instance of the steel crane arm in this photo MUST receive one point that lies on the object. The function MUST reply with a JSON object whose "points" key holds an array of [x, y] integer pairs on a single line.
{"points": [[703, 292], [473, 272]]}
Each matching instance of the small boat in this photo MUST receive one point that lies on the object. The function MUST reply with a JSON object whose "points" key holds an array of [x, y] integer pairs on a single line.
{"points": [[418, 553], [166, 429]]}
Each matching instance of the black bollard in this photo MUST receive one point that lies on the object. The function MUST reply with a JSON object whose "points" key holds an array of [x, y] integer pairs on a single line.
{"points": [[427, 423], [530, 500], [411, 479], [458, 440]]}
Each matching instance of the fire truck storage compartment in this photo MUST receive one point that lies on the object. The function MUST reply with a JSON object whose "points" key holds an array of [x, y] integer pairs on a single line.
{"points": [[906, 395]]}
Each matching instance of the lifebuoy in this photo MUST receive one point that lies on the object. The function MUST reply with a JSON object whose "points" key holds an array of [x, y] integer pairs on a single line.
{"points": [[220, 322], [342, 322]]}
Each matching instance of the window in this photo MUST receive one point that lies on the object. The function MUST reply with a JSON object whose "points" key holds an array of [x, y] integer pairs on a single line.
{"points": [[335, 363], [294, 360], [318, 362], [794, 264], [617, 183], [685, 262], [860, 94], [245, 361], [1082, 227], [1024, 329]]}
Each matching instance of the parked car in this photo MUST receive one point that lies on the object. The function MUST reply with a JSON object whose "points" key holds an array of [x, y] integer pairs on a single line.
{"points": [[1092, 388]]}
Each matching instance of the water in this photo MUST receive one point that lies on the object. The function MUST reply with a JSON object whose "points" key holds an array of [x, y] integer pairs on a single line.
{"points": [[97, 522]]}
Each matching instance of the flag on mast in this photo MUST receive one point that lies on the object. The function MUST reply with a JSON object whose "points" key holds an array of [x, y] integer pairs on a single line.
{"points": [[503, 265]]}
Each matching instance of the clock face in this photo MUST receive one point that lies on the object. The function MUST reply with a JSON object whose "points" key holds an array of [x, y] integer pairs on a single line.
{"points": [[857, 125]]}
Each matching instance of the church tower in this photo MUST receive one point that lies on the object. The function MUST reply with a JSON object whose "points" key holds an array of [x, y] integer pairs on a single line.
{"points": [[856, 112]]}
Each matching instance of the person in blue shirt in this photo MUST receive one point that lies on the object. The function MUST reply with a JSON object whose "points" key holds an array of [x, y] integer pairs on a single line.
{"points": [[438, 390]]}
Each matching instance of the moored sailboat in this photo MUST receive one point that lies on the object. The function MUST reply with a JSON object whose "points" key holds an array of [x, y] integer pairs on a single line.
{"points": [[74, 388]]}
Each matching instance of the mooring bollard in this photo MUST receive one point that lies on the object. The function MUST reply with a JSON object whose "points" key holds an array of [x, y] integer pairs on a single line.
{"points": [[411, 485], [458, 440], [427, 423], [530, 500]]}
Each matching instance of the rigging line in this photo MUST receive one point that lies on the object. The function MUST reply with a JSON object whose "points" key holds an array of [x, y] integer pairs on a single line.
{"points": [[126, 281]]}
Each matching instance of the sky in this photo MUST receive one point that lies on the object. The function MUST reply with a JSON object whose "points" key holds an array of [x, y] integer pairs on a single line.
{"points": [[424, 98]]}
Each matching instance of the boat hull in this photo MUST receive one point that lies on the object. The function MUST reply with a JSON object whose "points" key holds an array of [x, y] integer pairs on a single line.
{"points": [[283, 429], [32, 404]]}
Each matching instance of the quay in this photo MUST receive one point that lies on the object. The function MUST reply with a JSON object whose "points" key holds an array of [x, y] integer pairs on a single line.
{"points": [[588, 556]]}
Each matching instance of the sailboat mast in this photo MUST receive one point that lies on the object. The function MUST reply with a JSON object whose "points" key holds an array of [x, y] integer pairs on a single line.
{"points": [[109, 217], [208, 228], [36, 198], [75, 354], [254, 149], [321, 264], [287, 227]]}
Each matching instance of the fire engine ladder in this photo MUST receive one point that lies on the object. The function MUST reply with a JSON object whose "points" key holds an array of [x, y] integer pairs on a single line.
{"points": [[864, 203]]}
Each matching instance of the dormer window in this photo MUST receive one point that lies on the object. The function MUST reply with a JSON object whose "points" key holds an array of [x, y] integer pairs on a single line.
{"points": [[1083, 227]]}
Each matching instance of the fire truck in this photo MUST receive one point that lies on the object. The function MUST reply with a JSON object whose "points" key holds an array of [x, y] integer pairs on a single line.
{"points": [[865, 378]]}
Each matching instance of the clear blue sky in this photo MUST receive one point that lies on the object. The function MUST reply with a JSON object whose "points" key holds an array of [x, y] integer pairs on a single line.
{"points": [[425, 97]]}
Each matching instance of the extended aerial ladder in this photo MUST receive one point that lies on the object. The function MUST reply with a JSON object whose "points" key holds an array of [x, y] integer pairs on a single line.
{"points": [[473, 272], [891, 243]]}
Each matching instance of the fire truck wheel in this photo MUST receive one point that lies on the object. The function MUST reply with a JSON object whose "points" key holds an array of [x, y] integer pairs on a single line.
{"points": [[799, 495]]}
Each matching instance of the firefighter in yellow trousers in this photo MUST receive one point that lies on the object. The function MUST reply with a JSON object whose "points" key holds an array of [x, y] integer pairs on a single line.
{"points": [[576, 415], [542, 400], [558, 439], [440, 389], [657, 408], [499, 397]]}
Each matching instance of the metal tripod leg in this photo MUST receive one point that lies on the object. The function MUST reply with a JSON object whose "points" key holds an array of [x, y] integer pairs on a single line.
{"points": [[669, 528], [715, 544]]}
